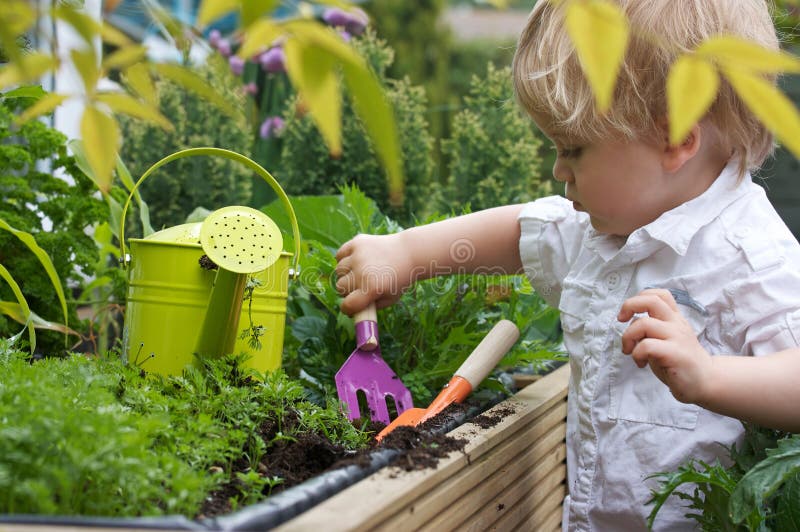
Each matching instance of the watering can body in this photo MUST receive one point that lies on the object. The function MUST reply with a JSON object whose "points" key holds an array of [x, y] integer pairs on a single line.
{"points": [[168, 299], [172, 312]]}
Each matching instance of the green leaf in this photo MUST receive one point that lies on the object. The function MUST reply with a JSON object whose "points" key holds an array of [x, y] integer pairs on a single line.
{"points": [[122, 103], [692, 86], [24, 308], [44, 106], [787, 507], [16, 17], [191, 81], [741, 53], [112, 35], [28, 91], [211, 10], [769, 104], [28, 317], [260, 35], [29, 67], [100, 134], [765, 477], [599, 31], [44, 259], [312, 72]]}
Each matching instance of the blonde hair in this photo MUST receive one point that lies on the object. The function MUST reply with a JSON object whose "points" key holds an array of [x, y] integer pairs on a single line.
{"points": [[549, 82]]}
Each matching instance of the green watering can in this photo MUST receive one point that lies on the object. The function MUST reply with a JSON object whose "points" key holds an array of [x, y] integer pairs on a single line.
{"points": [[186, 284]]}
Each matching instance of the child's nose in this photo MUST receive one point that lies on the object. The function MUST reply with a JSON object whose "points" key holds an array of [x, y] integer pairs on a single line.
{"points": [[562, 171]]}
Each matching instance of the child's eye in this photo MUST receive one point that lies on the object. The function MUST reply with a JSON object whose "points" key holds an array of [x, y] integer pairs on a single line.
{"points": [[569, 153]]}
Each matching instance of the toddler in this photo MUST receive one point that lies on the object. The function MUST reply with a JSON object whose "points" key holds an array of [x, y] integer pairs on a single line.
{"points": [[638, 213]]}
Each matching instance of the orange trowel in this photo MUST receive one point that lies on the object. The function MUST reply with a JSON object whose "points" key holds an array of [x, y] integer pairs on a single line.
{"points": [[475, 368]]}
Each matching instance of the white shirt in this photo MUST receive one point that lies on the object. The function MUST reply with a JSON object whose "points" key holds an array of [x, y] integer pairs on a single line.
{"points": [[737, 263]]}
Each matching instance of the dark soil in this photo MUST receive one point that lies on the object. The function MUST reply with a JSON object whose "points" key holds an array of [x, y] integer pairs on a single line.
{"points": [[311, 454]]}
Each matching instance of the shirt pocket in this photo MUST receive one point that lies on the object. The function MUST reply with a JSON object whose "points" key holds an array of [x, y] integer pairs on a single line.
{"points": [[637, 395]]}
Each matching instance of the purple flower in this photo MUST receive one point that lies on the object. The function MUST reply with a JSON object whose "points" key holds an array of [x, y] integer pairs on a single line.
{"points": [[214, 37], [224, 47], [353, 21], [237, 64], [345, 36], [250, 88], [334, 16], [273, 60], [271, 127], [358, 22]]}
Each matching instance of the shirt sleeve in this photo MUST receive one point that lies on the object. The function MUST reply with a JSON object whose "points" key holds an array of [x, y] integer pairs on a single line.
{"points": [[764, 307], [551, 233]]}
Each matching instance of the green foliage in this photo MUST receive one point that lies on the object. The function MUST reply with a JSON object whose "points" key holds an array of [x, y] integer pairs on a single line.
{"points": [[494, 150], [426, 335], [306, 167], [97, 437], [56, 212], [176, 190], [759, 491]]}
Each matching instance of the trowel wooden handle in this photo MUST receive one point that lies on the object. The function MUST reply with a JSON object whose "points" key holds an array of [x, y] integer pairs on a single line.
{"points": [[488, 353], [370, 330]]}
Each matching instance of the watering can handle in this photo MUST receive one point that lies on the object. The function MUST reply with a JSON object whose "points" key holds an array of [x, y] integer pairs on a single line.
{"points": [[227, 154]]}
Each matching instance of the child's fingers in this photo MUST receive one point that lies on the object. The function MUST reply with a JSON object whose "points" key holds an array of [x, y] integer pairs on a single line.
{"points": [[345, 250], [355, 301], [651, 351], [644, 328], [652, 304], [345, 283], [663, 294]]}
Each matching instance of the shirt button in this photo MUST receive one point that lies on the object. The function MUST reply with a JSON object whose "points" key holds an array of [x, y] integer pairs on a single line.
{"points": [[612, 280]]}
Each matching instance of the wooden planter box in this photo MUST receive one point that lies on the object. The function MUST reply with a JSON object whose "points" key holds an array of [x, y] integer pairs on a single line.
{"points": [[510, 476]]}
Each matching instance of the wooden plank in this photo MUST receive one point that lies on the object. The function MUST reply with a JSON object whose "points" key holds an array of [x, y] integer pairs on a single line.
{"points": [[543, 515], [368, 503], [458, 493], [478, 485], [552, 523], [534, 492]]}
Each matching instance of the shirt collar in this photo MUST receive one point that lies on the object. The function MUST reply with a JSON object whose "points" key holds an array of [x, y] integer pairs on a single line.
{"points": [[675, 228]]}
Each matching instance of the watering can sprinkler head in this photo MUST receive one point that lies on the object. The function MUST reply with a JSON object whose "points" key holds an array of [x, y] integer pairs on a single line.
{"points": [[241, 241]]}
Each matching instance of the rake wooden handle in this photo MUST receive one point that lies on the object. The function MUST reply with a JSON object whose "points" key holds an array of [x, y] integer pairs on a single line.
{"points": [[369, 314], [488, 353]]}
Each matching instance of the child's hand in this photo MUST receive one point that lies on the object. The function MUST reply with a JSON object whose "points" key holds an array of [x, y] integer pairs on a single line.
{"points": [[666, 341], [372, 268]]}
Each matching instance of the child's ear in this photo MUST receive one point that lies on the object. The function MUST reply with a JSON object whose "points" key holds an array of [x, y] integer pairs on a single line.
{"points": [[674, 156]]}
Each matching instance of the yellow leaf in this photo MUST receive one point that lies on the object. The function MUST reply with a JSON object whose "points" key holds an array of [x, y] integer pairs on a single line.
{"points": [[124, 56], [18, 314], [253, 10], [312, 72], [260, 35], [138, 78], [112, 35], [85, 61], [83, 24], [100, 135], [692, 85], [599, 31], [741, 53], [367, 95], [45, 105], [770, 105], [30, 67], [16, 17], [211, 10], [122, 103], [191, 81]]}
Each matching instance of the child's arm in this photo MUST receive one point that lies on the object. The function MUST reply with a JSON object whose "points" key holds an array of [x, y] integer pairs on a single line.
{"points": [[761, 390], [379, 267]]}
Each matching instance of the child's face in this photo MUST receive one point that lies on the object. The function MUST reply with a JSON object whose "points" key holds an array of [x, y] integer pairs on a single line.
{"points": [[620, 184]]}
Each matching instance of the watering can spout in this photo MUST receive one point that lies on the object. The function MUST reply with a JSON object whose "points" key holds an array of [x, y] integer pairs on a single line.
{"points": [[240, 241]]}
